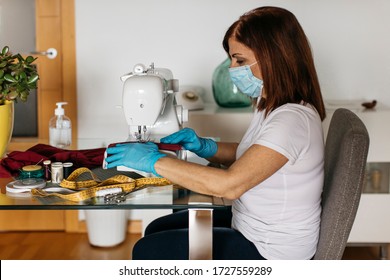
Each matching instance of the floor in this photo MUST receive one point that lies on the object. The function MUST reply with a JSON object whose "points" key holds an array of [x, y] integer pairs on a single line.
{"points": [[75, 246], [60, 246]]}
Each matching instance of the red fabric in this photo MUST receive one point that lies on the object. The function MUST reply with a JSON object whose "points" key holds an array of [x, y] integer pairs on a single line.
{"points": [[10, 165]]}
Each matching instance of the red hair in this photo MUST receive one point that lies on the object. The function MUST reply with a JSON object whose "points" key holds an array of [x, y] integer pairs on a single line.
{"points": [[283, 50]]}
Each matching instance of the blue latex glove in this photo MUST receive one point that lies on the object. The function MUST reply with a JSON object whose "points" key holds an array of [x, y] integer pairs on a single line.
{"points": [[187, 137], [140, 156]]}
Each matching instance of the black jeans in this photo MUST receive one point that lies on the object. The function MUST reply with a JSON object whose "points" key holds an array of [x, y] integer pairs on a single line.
{"points": [[166, 238]]}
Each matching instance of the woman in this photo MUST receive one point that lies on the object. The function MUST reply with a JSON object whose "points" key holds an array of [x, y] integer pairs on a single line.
{"points": [[275, 174]]}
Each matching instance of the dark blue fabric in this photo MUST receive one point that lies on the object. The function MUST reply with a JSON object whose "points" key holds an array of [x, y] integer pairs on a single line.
{"points": [[166, 238], [179, 219]]}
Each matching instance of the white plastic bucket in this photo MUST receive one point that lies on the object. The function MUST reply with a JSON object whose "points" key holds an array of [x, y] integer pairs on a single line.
{"points": [[106, 228]]}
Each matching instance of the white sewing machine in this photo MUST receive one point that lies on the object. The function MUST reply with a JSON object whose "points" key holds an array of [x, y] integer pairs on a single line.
{"points": [[151, 112], [150, 108], [149, 103]]}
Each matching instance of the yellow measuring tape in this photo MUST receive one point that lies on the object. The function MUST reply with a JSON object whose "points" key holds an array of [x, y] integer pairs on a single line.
{"points": [[86, 189]]}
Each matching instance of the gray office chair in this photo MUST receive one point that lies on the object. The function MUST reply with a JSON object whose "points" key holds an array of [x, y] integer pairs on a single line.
{"points": [[346, 150]]}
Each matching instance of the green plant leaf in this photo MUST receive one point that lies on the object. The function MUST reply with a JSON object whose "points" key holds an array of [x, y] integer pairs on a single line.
{"points": [[23, 96], [5, 50], [20, 87], [9, 78], [33, 79], [12, 95], [19, 57], [30, 59]]}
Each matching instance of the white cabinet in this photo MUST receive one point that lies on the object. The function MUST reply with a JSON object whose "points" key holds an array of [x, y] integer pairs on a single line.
{"points": [[372, 223]]}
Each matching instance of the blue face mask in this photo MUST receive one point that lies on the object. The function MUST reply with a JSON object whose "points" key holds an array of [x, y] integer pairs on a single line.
{"points": [[244, 80]]}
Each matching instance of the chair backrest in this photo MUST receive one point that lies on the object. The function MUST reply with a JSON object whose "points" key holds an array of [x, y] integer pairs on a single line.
{"points": [[346, 150]]}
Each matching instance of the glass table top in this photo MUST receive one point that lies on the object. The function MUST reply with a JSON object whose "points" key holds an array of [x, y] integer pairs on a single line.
{"points": [[151, 197], [167, 197]]}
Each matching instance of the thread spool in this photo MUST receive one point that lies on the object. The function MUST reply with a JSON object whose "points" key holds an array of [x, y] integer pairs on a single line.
{"points": [[68, 168], [31, 171], [46, 167], [57, 172]]}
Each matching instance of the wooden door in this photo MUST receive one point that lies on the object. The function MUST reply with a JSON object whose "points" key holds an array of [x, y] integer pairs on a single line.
{"points": [[54, 29]]}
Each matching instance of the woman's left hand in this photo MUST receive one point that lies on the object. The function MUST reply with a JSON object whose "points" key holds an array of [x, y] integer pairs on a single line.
{"points": [[140, 156]]}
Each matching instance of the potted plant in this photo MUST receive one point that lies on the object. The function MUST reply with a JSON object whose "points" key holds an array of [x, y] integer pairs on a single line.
{"points": [[18, 76]]}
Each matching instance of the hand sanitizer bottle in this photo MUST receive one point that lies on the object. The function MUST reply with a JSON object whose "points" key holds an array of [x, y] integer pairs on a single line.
{"points": [[60, 128]]}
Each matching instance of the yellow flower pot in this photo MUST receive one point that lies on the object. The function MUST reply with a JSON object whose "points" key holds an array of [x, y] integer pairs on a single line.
{"points": [[6, 125]]}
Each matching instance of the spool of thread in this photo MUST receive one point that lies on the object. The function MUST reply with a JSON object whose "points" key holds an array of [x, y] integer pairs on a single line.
{"points": [[57, 172], [31, 171], [68, 168], [46, 168]]}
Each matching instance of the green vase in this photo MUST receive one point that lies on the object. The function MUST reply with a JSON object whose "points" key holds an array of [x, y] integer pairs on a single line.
{"points": [[226, 94]]}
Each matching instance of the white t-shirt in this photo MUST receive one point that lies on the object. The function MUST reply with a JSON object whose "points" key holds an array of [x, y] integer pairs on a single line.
{"points": [[281, 215]]}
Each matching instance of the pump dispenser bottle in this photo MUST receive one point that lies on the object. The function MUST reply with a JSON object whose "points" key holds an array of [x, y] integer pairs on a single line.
{"points": [[60, 128]]}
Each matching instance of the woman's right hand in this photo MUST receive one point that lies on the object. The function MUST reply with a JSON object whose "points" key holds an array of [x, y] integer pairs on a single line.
{"points": [[187, 137]]}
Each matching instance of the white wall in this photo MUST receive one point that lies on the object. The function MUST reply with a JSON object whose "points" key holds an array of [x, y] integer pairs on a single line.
{"points": [[350, 41]]}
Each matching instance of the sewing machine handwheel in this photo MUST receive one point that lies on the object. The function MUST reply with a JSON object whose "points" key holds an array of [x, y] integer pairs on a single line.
{"points": [[139, 68]]}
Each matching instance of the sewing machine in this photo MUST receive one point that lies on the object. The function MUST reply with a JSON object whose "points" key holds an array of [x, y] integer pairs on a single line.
{"points": [[149, 103], [150, 108]]}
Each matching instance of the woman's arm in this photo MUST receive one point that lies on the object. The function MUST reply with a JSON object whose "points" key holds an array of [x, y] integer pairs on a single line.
{"points": [[226, 154], [223, 153], [256, 164]]}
